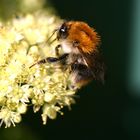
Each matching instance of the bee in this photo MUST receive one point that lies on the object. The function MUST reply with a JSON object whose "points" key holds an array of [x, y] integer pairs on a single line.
{"points": [[80, 44]]}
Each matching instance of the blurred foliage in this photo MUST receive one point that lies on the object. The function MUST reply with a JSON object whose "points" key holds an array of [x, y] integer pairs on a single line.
{"points": [[18, 133], [10, 8]]}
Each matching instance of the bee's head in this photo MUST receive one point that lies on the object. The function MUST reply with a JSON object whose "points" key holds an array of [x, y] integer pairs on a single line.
{"points": [[63, 31]]}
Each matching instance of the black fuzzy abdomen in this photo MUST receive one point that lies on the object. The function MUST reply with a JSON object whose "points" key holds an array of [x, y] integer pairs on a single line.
{"points": [[82, 74]]}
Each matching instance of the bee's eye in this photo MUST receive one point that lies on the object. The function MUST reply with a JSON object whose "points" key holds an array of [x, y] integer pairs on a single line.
{"points": [[63, 32]]}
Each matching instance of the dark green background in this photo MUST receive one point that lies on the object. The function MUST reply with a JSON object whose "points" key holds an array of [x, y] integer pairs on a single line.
{"points": [[102, 111]]}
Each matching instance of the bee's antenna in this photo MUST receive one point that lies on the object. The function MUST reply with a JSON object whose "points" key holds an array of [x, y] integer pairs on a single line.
{"points": [[44, 60], [52, 36]]}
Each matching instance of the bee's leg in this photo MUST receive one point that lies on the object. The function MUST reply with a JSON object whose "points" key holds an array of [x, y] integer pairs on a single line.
{"points": [[57, 50], [51, 60], [54, 59]]}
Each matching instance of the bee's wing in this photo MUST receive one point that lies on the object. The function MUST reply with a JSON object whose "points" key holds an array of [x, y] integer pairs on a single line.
{"points": [[95, 63]]}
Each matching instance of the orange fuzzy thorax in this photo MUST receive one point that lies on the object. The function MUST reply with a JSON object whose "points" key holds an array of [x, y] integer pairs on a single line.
{"points": [[86, 36]]}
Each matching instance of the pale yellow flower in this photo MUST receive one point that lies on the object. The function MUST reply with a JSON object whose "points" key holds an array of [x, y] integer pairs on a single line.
{"points": [[23, 42]]}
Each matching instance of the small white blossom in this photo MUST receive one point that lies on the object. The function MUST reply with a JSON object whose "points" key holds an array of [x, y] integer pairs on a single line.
{"points": [[48, 97], [9, 117]]}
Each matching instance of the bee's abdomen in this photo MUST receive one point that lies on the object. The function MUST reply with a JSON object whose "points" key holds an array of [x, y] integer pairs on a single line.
{"points": [[81, 74]]}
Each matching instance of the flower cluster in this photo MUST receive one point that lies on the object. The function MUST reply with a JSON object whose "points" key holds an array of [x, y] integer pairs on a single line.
{"points": [[44, 86]]}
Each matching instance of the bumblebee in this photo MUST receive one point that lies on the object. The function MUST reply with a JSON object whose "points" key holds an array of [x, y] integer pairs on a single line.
{"points": [[80, 44]]}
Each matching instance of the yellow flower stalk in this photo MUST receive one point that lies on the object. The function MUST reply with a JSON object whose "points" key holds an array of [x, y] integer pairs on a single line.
{"points": [[23, 42]]}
